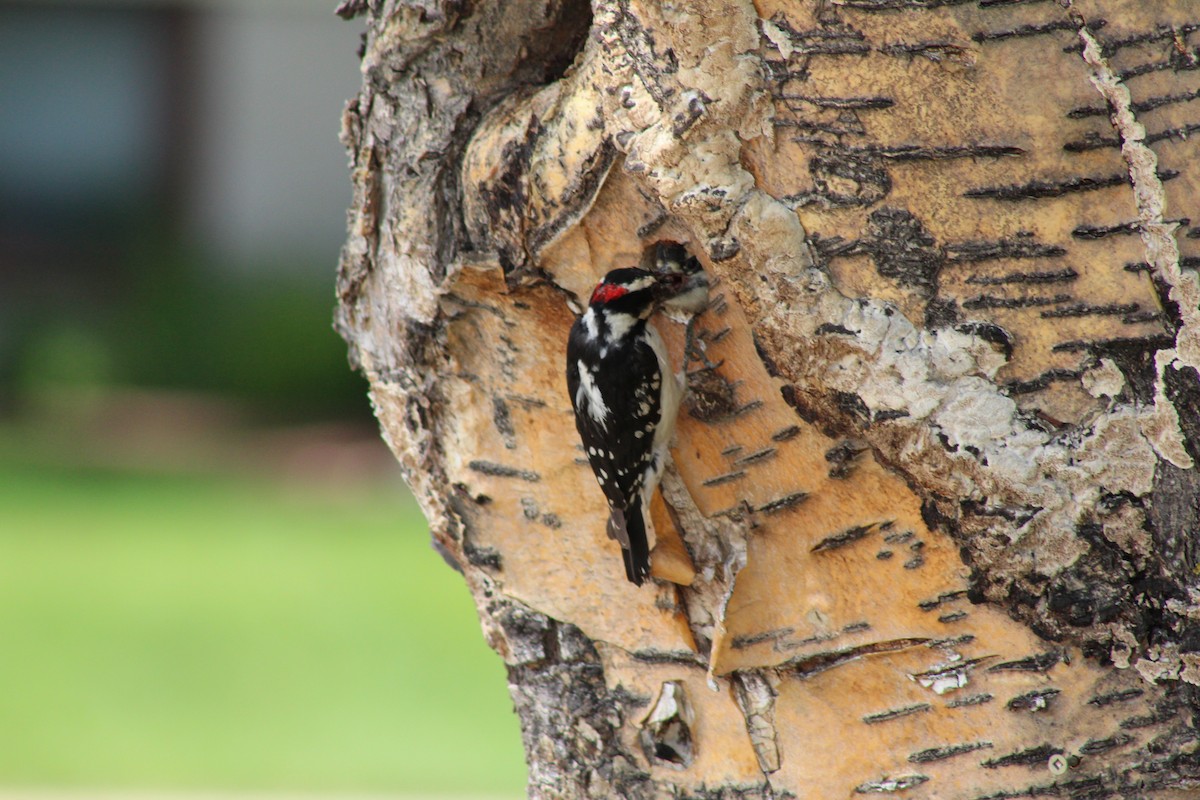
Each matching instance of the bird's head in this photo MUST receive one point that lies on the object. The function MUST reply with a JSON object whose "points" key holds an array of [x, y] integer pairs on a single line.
{"points": [[629, 290]]}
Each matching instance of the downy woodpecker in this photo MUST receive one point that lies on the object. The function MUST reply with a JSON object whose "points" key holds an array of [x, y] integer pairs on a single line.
{"points": [[626, 398]]}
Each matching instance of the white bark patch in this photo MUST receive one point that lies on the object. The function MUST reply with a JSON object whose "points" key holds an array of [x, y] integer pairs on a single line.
{"points": [[1105, 380], [1161, 425]]}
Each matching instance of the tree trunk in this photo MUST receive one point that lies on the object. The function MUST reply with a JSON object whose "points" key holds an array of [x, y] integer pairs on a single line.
{"points": [[930, 527]]}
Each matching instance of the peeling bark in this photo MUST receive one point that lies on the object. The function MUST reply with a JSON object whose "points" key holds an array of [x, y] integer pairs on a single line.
{"points": [[931, 523]]}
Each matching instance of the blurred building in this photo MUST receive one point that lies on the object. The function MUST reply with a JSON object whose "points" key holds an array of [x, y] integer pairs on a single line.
{"points": [[215, 118], [151, 148]]}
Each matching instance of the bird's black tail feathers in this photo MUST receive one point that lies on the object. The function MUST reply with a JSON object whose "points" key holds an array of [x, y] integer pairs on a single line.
{"points": [[637, 554], [628, 527]]}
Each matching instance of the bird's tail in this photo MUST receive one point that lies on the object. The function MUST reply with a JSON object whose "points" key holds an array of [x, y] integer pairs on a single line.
{"points": [[629, 528]]}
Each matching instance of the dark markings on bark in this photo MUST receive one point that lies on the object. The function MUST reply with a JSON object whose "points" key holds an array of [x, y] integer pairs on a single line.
{"points": [[886, 414], [724, 249], [853, 405], [941, 599], [842, 457], [940, 312], [1058, 374], [1037, 700], [746, 408], [784, 434], [1089, 310], [502, 419], [844, 178], [1028, 30], [1001, 3], [1088, 787], [502, 471], [800, 404], [1022, 247], [641, 45], [1095, 746], [529, 508], [952, 641], [715, 336], [1120, 696], [856, 103], [1133, 355], [913, 152], [744, 641], [650, 656], [731, 450], [1146, 720], [482, 557], [1176, 62], [992, 301], [826, 328], [1159, 33], [1174, 506], [955, 672], [953, 616], [935, 51], [1042, 662], [990, 333], [1145, 342], [1138, 107], [711, 397], [728, 477], [970, 700], [653, 225], [349, 9], [780, 503], [896, 713], [1094, 141], [1101, 231], [940, 753], [832, 47], [1034, 756], [761, 791], [756, 457], [1036, 190], [1028, 278], [899, 537], [901, 5], [887, 785], [806, 666], [843, 538], [902, 249]]}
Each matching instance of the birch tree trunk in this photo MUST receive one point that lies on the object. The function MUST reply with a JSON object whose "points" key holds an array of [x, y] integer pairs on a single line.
{"points": [[931, 524]]}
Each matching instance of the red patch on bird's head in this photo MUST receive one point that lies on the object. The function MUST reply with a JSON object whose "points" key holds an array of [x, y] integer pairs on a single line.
{"points": [[607, 292]]}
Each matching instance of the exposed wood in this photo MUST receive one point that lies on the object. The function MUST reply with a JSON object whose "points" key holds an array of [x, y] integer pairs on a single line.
{"points": [[930, 528]]}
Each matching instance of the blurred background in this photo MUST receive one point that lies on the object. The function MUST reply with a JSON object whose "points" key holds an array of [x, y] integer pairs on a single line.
{"points": [[212, 580]]}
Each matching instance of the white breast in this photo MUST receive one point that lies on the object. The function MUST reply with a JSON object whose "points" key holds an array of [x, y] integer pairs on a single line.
{"points": [[669, 392]]}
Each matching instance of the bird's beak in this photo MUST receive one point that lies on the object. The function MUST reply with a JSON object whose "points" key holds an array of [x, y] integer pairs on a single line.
{"points": [[671, 285]]}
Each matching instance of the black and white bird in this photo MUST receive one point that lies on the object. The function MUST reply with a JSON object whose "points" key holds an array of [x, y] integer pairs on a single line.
{"points": [[626, 399]]}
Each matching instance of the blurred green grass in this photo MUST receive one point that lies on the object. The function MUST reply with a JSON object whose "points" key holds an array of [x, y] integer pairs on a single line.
{"points": [[197, 631]]}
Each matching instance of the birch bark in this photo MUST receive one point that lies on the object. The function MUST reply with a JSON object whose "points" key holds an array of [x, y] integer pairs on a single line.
{"points": [[931, 524]]}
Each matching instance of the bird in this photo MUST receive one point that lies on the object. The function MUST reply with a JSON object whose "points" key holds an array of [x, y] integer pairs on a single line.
{"points": [[626, 398]]}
